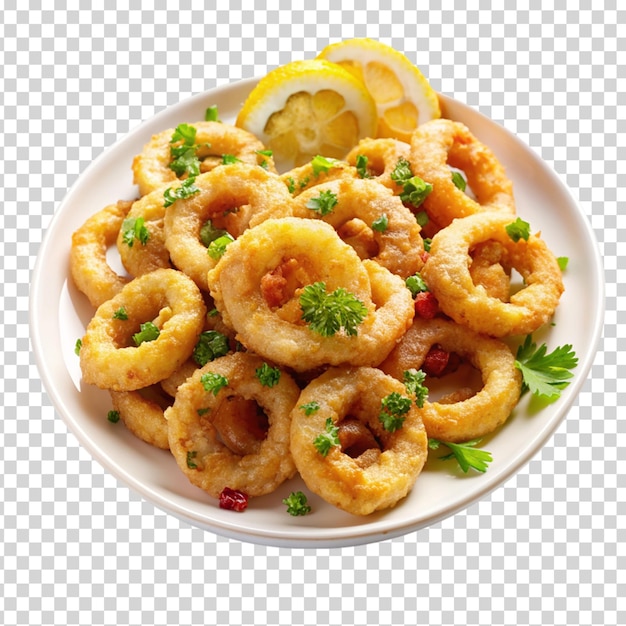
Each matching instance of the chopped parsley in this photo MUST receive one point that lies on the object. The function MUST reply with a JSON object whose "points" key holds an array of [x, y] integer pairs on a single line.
{"points": [[327, 439], [229, 159], [415, 284], [296, 504], [77, 346], [191, 455], [186, 189], [422, 218], [414, 189], [414, 383], [465, 453], [209, 233], [268, 375], [393, 411], [134, 228], [210, 345], [310, 407], [323, 203], [459, 180], [183, 151], [120, 314], [519, 229], [401, 172], [322, 164], [213, 382], [545, 373], [381, 223], [211, 114], [113, 416], [265, 154], [328, 313], [218, 246], [148, 331], [361, 166]]}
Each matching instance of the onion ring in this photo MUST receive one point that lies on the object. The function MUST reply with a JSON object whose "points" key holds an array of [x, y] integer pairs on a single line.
{"points": [[142, 413], [151, 168], [89, 267], [438, 144], [447, 274], [382, 156], [474, 416], [370, 482], [194, 437], [231, 193], [359, 203], [107, 359]]}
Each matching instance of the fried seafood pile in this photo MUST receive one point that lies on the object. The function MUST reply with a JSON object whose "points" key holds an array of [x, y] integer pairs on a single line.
{"points": [[272, 324]]}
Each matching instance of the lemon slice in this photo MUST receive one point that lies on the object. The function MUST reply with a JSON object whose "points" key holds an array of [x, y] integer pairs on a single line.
{"points": [[305, 108], [403, 96]]}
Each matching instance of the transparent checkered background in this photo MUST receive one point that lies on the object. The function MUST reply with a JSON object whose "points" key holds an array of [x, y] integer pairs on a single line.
{"points": [[78, 548]]}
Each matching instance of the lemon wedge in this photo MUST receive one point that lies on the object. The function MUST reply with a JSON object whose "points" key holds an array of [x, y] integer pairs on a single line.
{"points": [[307, 108], [403, 96]]}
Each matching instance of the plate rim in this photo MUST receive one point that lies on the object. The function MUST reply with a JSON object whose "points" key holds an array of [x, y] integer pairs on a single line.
{"points": [[327, 537]]}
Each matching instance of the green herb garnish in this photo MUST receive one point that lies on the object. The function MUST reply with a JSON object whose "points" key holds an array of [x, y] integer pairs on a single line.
{"points": [[328, 313]]}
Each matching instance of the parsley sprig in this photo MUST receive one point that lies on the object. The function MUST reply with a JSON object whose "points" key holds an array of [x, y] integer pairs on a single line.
{"points": [[324, 203], [211, 344], [393, 410], [268, 375], [134, 228], [545, 374], [414, 189], [414, 383], [185, 190], [213, 382], [328, 313], [296, 504], [519, 229], [328, 438], [466, 454], [148, 331]]}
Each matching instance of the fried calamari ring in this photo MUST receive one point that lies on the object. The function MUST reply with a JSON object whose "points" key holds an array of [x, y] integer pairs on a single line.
{"points": [[151, 168], [260, 461], [228, 196], [166, 297], [440, 144], [473, 416], [378, 469], [139, 257], [267, 317], [142, 413], [372, 220], [89, 267], [382, 156], [448, 276]]}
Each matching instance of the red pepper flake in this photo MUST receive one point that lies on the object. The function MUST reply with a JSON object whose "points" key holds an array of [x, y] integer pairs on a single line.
{"points": [[233, 500], [435, 362], [439, 362], [426, 305]]}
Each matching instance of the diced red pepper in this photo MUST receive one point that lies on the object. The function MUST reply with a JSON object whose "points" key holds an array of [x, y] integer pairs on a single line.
{"points": [[435, 362], [426, 305], [439, 362], [233, 500]]}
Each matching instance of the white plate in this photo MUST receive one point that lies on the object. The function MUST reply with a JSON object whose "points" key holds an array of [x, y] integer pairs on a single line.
{"points": [[59, 315]]}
